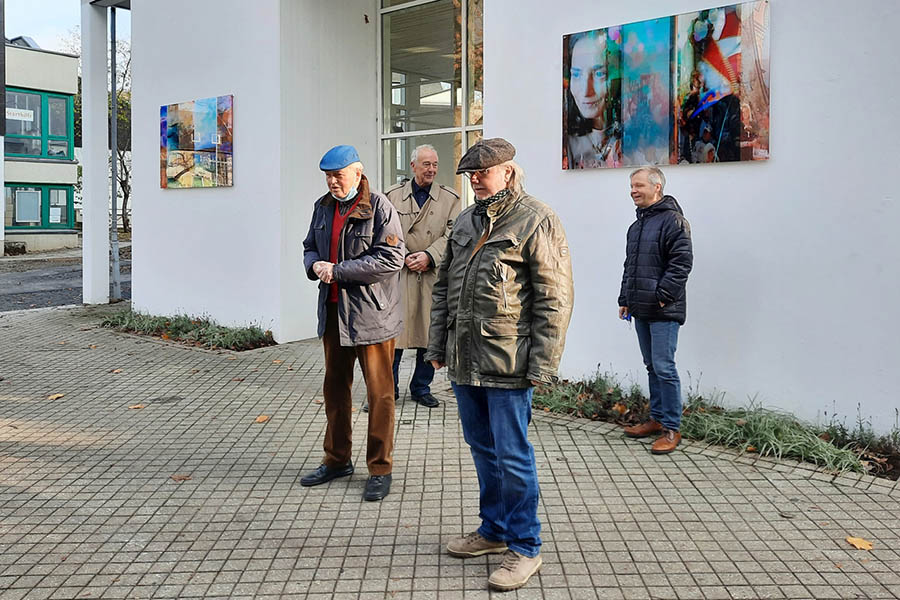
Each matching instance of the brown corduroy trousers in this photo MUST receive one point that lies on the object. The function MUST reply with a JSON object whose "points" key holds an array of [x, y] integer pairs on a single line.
{"points": [[376, 362]]}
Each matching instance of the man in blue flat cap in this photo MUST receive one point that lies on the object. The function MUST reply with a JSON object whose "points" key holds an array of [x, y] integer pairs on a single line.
{"points": [[355, 249]]}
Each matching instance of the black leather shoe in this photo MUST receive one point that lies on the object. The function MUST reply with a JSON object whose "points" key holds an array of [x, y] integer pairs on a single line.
{"points": [[324, 474], [365, 407], [427, 400], [377, 487]]}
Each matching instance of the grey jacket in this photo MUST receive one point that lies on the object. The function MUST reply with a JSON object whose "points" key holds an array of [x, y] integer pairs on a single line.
{"points": [[370, 256], [502, 303]]}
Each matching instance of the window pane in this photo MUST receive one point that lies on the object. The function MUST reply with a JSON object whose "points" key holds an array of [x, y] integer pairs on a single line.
{"points": [[28, 207], [467, 196], [58, 197], [23, 113], [421, 71], [22, 145], [59, 124], [397, 158], [475, 58], [57, 148], [387, 3]]}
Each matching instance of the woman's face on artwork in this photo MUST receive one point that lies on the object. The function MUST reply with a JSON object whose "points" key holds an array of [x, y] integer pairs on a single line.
{"points": [[589, 76]]}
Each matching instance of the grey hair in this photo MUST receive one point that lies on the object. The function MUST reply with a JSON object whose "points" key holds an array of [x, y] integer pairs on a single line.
{"points": [[654, 175], [517, 180], [415, 153]]}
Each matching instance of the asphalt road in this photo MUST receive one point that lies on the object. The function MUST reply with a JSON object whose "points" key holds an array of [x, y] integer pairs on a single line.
{"points": [[41, 283]]}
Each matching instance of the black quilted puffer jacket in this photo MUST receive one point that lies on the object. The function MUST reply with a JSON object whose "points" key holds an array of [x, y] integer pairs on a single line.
{"points": [[658, 259]]}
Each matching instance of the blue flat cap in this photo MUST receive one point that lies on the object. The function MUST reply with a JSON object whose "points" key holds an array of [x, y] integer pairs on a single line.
{"points": [[338, 157]]}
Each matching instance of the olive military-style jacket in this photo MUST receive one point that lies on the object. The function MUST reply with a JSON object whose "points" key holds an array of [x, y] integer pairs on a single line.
{"points": [[425, 229], [504, 296]]}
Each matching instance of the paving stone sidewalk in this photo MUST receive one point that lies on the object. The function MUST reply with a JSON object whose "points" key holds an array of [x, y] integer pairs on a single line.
{"points": [[90, 506]]}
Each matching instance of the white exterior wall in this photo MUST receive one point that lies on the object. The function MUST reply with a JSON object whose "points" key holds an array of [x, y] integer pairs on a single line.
{"points": [[329, 97], [303, 77], [795, 278], [210, 251], [40, 70]]}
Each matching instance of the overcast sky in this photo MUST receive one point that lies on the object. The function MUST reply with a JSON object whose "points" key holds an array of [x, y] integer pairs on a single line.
{"points": [[48, 22]]}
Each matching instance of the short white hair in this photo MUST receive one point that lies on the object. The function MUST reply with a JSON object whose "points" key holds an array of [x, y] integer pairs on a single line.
{"points": [[654, 175], [415, 153]]}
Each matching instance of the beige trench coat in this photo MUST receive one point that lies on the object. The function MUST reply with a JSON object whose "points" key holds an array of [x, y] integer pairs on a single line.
{"points": [[426, 229]]}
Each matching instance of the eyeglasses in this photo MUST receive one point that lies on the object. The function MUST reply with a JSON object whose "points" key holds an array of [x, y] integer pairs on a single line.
{"points": [[480, 174]]}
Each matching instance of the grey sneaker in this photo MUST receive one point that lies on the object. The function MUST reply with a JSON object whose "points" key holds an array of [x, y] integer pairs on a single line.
{"points": [[473, 544], [515, 571]]}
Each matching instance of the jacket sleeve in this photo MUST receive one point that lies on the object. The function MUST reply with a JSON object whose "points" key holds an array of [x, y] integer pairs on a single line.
{"points": [[436, 249], [310, 251], [551, 280], [623, 296], [437, 332], [384, 257], [679, 260]]}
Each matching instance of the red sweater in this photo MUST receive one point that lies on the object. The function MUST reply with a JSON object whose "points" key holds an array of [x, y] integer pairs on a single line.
{"points": [[337, 225]]}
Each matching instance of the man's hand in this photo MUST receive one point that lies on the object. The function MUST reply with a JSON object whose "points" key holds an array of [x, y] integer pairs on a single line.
{"points": [[623, 311], [418, 262], [662, 304], [437, 365], [324, 270]]}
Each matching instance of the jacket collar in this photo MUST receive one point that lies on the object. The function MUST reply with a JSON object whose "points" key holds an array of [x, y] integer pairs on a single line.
{"points": [[666, 203], [363, 208], [500, 208]]}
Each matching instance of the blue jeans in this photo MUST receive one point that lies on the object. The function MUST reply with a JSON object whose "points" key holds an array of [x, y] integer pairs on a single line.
{"points": [[422, 377], [495, 425], [658, 340]]}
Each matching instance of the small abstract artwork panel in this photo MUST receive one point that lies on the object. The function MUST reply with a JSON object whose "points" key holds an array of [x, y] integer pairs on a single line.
{"points": [[690, 88], [196, 143]]}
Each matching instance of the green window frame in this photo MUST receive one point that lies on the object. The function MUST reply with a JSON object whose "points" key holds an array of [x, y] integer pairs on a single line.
{"points": [[49, 144], [49, 201]]}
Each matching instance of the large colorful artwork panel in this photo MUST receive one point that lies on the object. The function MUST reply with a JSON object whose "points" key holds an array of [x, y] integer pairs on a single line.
{"points": [[691, 88], [196, 143]]}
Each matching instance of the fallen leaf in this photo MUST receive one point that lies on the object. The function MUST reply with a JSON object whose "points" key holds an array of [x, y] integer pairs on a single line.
{"points": [[231, 358], [546, 409], [353, 409], [93, 346], [55, 396], [751, 448], [116, 371], [277, 362], [290, 368], [181, 478], [136, 407], [318, 401], [63, 343], [165, 336], [859, 543], [740, 422], [237, 378], [839, 565], [262, 418], [620, 408]]}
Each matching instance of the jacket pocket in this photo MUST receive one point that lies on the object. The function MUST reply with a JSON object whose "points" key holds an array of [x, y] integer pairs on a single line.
{"points": [[356, 243], [450, 347], [504, 347], [376, 295]]}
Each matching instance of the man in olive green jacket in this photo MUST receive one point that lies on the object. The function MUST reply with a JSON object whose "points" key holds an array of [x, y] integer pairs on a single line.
{"points": [[501, 308], [427, 210]]}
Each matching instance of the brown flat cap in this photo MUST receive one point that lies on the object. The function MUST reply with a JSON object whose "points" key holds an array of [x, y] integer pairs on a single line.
{"points": [[484, 154]]}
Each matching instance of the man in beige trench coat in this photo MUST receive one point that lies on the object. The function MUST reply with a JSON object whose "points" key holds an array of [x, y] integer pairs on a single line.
{"points": [[427, 211]]}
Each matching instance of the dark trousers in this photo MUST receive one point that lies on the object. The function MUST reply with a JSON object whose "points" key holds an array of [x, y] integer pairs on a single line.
{"points": [[375, 362], [423, 375]]}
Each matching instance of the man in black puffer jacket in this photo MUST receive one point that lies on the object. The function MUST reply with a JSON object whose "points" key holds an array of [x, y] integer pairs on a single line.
{"points": [[658, 259]]}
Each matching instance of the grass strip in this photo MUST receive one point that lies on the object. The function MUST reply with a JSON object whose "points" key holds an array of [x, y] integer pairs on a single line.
{"points": [[198, 331]]}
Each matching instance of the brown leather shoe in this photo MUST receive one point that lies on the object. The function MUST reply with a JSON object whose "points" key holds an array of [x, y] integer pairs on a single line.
{"points": [[667, 442], [644, 429]]}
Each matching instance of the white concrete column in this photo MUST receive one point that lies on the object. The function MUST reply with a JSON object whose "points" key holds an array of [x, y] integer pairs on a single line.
{"points": [[94, 154]]}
